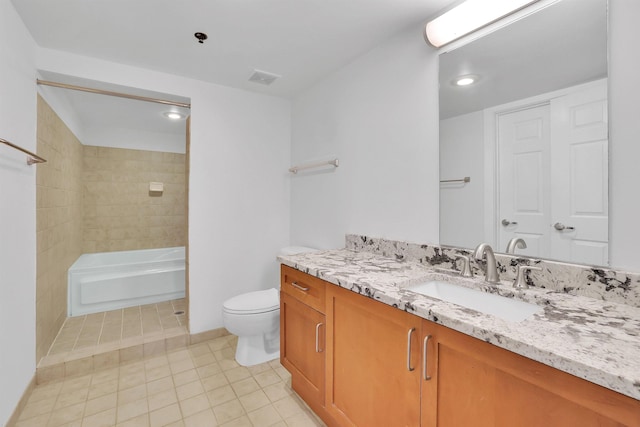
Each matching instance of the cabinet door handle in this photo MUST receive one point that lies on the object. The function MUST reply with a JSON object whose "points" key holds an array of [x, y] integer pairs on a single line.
{"points": [[318, 349], [302, 288], [424, 358], [409, 368]]}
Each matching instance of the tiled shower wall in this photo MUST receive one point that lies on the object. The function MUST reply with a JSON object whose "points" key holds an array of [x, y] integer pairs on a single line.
{"points": [[119, 211], [96, 199], [58, 216]]}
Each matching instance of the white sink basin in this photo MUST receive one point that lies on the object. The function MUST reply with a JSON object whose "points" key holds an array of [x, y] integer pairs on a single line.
{"points": [[505, 308]]}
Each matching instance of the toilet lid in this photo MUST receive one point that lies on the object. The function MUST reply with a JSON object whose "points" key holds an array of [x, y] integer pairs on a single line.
{"points": [[253, 302]]}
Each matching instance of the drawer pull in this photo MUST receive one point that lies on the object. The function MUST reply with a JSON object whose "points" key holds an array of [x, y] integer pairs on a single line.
{"points": [[302, 288], [424, 358], [409, 368], [318, 349]]}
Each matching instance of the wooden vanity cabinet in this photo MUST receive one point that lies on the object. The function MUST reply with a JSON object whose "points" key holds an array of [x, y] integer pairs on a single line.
{"points": [[382, 371], [373, 361], [473, 383], [302, 332]]}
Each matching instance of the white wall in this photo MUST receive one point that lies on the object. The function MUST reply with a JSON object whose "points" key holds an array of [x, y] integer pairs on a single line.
{"points": [[462, 205], [624, 151], [379, 116], [17, 210], [239, 188]]}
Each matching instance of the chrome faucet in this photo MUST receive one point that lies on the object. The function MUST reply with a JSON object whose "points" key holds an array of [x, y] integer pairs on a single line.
{"points": [[514, 243], [484, 250]]}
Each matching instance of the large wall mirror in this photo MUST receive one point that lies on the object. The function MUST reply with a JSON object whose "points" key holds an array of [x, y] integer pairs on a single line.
{"points": [[524, 148]]}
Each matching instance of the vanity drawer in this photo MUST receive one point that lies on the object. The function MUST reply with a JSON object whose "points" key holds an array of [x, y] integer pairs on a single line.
{"points": [[305, 288]]}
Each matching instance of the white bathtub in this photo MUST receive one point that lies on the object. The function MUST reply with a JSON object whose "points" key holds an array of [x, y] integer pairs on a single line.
{"points": [[113, 280]]}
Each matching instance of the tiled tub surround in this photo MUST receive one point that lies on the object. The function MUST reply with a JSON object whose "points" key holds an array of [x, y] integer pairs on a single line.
{"points": [[119, 212], [58, 221], [591, 338]]}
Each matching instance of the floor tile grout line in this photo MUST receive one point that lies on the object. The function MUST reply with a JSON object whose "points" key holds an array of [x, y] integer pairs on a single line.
{"points": [[228, 344], [75, 342], [104, 318]]}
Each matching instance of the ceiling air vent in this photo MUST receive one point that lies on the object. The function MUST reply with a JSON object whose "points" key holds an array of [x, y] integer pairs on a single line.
{"points": [[263, 77]]}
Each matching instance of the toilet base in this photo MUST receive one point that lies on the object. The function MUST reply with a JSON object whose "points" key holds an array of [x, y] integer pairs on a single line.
{"points": [[256, 349]]}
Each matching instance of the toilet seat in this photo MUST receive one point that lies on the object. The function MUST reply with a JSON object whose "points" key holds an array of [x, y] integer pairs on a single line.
{"points": [[253, 302]]}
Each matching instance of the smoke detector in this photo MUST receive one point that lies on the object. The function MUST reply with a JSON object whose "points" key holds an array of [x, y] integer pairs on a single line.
{"points": [[263, 77]]}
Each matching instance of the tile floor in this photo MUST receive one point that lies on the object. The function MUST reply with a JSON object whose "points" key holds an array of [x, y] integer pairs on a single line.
{"points": [[199, 386], [94, 341], [91, 330]]}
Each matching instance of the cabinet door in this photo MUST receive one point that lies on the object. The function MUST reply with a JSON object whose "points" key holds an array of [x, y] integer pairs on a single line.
{"points": [[459, 387], [369, 382], [479, 384], [302, 342]]}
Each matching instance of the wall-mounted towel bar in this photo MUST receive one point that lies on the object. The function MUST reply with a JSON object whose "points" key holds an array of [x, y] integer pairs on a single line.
{"points": [[33, 158], [465, 179], [296, 169]]}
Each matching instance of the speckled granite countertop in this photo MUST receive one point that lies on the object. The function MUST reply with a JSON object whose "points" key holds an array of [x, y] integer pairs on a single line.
{"points": [[589, 338]]}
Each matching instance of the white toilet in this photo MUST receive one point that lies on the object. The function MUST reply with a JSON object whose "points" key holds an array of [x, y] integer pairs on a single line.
{"points": [[255, 318]]}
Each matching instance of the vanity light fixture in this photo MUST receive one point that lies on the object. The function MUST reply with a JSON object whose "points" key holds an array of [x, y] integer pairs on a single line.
{"points": [[470, 16], [173, 115]]}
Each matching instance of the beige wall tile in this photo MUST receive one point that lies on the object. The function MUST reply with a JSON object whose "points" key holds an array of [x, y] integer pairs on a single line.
{"points": [[58, 214], [121, 214]]}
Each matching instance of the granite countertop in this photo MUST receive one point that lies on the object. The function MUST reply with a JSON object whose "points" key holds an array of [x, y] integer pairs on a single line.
{"points": [[596, 340]]}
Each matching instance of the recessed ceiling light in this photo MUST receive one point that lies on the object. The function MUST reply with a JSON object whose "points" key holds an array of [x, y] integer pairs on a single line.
{"points": [[173, 115], [465, 80]]}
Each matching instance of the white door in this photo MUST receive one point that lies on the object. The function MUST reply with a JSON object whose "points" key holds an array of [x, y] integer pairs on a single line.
{"points": [[523, 174], [579, 167]]}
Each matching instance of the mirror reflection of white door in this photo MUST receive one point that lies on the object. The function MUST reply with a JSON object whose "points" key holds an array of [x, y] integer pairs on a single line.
{"points": [[524, 174], [579, 167], [565, 143]]}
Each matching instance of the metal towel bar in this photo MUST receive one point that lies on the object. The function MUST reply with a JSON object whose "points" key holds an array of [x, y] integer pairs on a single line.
{"points": [[465, 179], [295, 169], [32, 159]]}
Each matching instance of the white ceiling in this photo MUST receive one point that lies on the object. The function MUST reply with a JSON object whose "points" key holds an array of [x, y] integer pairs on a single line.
{"points": [[301, 40]]}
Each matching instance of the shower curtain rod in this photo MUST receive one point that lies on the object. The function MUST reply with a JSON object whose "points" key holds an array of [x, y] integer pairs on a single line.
{"points": [[112, 93]]}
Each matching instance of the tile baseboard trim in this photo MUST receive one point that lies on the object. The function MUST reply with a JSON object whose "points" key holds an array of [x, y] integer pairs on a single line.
{"points": [[208, 335], [22, 403]]}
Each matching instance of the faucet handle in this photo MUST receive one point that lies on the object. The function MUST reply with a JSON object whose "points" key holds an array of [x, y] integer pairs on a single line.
{"points": [[520, 283], [465, 271]]}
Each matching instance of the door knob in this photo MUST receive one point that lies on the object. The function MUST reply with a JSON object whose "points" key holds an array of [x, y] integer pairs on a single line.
{"points": [[560, 227], [507, 223]]}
